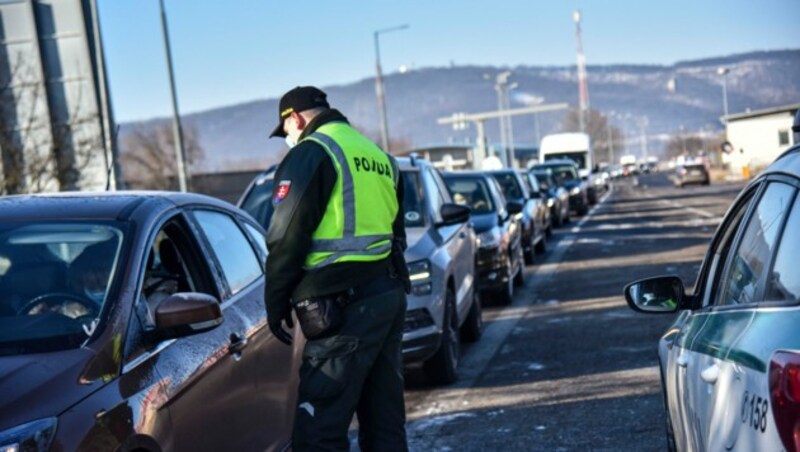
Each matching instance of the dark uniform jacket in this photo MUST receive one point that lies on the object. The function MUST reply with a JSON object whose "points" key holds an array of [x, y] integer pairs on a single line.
{"points": [[310, 175]]}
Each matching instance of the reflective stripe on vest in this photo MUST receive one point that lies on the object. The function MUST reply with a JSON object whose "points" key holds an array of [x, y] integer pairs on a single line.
{"points": [[369, 247]]}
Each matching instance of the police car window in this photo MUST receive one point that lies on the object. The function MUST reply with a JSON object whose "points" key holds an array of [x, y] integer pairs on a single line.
{"points": [[237, 258], [747, 267], [412, 200], [259, 240], [436, 196], [784, 280]]}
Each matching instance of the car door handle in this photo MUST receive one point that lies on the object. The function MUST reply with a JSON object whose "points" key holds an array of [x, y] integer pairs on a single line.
{"points": [[683, 360], [238, 343], [710, 374]]}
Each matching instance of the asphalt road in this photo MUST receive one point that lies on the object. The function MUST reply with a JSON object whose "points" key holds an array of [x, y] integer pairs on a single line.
{"points": [[568, 366]]}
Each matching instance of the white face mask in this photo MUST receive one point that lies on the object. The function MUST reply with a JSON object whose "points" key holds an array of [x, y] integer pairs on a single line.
{"points": [[290, 141]]}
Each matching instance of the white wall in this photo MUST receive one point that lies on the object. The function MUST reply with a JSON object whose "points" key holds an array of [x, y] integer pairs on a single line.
{"points": [[755, 140]]}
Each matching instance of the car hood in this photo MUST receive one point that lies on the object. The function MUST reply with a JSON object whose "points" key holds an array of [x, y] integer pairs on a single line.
{"points": [[484, 222], [41, 385], [420, 244]]}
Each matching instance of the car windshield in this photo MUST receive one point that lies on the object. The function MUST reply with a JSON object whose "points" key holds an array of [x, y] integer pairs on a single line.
{"points": [[412, 199], [578, 157], [544, 180], [258, 202], [562, 172], [54, 282], [510, 185], [471, 192]]}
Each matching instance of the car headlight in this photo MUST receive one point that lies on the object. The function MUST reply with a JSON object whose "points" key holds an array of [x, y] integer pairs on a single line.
{"points": [[489, 239], [550, 202], [419, 273], [34, 436], [575, 191]]}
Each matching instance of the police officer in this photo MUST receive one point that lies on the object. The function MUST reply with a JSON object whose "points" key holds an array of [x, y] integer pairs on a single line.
{"points": [[335, 243]]}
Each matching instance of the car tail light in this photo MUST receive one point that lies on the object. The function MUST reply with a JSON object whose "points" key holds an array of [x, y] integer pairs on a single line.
{"points": [[784, 389], [683, 171]]}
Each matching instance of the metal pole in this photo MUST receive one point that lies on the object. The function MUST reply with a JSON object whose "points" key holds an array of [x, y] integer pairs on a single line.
{"points": [[481, 148], [176, 119], [512, 160], [380, 90], [583, 85], [502, 119], [610, 142], [725, 93]]}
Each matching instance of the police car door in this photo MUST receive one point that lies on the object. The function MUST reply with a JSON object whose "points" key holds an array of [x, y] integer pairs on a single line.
{"points": [[717, 367]]}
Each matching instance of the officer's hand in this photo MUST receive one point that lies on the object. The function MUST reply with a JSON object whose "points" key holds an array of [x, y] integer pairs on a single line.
{"points": [[276, 326]]}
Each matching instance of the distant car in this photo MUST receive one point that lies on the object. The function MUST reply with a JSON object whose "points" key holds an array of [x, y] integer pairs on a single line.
{"points": [[730, 363], [500, 263], [556, 196], [535, 215], [691, 173], [136, 321], [566, 175], [444, 305], [630, 169]]}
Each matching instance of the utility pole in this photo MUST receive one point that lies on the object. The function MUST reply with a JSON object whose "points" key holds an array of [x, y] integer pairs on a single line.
{"points": [[723, 71], [380, 90], [583, 84], [643, 132], [177, 132]]}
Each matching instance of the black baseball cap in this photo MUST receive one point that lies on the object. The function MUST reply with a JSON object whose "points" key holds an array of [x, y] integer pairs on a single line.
{"points": [[299, 99]]}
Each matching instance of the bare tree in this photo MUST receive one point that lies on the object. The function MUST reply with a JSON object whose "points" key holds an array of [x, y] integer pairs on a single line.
{"points": [[602, 134], [691, 145], [38, 153], [148, 156]]}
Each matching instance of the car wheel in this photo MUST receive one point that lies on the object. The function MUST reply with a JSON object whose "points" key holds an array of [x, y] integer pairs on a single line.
{"points": [[442, 367], [670, 435], [472, 328], [506, 295], [566, 218], [541, 247], [519, 277], [530, 252], [706, 182]]}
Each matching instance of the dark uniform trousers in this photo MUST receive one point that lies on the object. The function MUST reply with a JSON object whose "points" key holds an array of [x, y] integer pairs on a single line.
{"points": [[357, 370]]}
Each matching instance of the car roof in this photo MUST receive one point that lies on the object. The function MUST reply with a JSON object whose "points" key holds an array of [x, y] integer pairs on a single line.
{"points": [[94, 205], [787, 163], [472, 174], [555, 162], [404, 163]]}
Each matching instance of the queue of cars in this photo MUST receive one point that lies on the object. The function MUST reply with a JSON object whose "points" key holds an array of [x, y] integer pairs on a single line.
{"points": [[730, 363]]}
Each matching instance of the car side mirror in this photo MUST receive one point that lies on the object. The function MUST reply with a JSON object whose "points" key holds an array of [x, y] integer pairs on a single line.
{"points": [[185, 314], [454, 214], [514, 207], [536, 195], [656, 295]]}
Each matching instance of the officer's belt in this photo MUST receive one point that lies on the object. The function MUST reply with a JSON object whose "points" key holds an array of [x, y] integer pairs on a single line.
{"points": [[371, 288]]}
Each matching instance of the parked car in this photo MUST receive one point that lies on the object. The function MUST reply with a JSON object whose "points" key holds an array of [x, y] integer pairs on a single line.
{"points": [[566, 175], [500, 263], [444, 306], [730, 363], [136, 321], [691, 173], [535, 216], [257, 197], [557, 197]]}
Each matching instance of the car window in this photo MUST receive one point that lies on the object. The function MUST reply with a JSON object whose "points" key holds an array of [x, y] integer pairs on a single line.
{"points": [[55, 280], [509, 185], [471, 192], [746, 269], [436, 197], [413, 205], [543, 180], [259, 240], [258, 202], [237, 258], [784, 282]]}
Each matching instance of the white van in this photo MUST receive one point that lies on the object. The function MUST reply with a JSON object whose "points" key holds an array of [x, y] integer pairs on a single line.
{"points": [[578, 148]]}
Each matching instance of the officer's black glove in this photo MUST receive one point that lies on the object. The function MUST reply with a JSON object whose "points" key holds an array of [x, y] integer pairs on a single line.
{"points": [[399, 266], [276, 326]]}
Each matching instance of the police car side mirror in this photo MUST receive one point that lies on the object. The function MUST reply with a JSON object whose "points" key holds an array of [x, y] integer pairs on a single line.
{"points": [[661, 294]]}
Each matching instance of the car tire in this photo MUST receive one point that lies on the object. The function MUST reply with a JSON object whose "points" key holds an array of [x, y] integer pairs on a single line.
{"points": [[549, 231], [582, 210], [506, 295], [519, 277], [566, 219], [472, 329], [671, 447], [442, 367], [541, 247], [706, 182], [530, 253]]}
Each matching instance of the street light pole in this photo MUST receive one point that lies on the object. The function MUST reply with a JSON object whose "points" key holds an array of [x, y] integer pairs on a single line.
{"points": [[723, 71], [176, 118], [380, 91]]}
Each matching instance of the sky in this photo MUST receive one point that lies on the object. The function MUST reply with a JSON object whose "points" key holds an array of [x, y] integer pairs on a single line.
{"points": [[233, 51]]}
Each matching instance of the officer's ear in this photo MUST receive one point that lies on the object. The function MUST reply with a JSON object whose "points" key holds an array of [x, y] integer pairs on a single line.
{"points": [[299, 120]]}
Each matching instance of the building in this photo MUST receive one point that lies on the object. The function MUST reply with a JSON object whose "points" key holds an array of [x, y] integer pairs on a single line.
{"points": [[757, 138]]}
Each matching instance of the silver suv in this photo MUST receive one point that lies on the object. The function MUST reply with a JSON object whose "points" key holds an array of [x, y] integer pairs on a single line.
{"points": [[443, 307]]}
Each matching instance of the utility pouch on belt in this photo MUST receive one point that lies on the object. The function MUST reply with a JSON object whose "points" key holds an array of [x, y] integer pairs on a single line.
{"points": [[319, 316]]}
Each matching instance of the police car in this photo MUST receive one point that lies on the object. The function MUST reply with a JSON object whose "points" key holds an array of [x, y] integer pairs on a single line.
{"points": [[730, 364]]}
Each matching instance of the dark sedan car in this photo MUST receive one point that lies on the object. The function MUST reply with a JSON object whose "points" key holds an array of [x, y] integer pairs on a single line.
{"points": [[566, 175], [556, 196], [535, 216], [500, 263], [136, 321], [691, 173]]}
